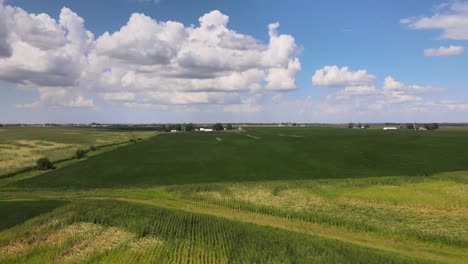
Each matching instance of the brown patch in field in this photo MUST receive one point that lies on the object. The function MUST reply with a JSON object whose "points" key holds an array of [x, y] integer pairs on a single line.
{"points": [[459, 190], [292, 199], [99, 240], [23, 153], [415, 207], [145, 243], [85, 239], [76, 231], [34, 239], [52, 222]]}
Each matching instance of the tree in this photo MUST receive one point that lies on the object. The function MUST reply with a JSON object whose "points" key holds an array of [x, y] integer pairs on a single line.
{"points": [[366, 126], [44, 164], [218, 127], [79, 154], [178, 127], [350, 125], [410, 126], [229, 127], [189, 127], [433, 126], [1, 125], [92, 148]]}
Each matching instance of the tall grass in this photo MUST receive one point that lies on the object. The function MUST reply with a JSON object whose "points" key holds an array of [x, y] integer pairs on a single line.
{"points": [[21, 147], [355, 205], [195, 238]]}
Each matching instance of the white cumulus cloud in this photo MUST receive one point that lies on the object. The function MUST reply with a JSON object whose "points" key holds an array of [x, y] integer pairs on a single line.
{"points": [[451, 18], [359, 86], [444, 51], [333, 76], [145, 62], [43, 51]]}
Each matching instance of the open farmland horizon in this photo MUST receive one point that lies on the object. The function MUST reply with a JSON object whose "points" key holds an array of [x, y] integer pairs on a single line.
{"points": [[345, 195], [260, 154], [233, 132]]}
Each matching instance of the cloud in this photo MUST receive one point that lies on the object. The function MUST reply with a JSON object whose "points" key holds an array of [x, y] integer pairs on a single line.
{"points": [[144, 62], [353, 91], [119, 96], [166, 61], [181, 98], [390, 84], [5, 48], [333, 76], [277, 98], [392, 91], [58, 97], [145, 106], [247, 105], [444, 51], [43, 51], [451, 18], [283, 78], [80, 101]]}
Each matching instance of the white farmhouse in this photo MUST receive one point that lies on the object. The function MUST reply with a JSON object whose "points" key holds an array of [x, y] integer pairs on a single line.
{"points": [[202, 129]]}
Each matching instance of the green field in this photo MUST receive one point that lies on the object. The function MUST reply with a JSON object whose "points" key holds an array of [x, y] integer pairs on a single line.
{"points": [[265, 195], [266, 154]]}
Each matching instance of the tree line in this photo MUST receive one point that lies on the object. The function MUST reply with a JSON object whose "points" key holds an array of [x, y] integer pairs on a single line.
{"points": [[193, 127], [429, 126]]}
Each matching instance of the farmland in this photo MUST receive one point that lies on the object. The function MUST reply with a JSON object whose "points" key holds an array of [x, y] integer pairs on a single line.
{"points": [[21, 147], [264, 195]]}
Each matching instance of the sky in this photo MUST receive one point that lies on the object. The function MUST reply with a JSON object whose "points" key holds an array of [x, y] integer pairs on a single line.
{"points": [[178, 61]]}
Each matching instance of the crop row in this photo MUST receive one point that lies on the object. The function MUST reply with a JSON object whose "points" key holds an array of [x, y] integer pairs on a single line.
{"points": [[392, 223], [197, 238]]}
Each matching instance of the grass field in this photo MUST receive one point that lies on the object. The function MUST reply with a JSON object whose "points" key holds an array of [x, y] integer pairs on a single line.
{"points": [[266, 195], [266, 154], [21, 147]]}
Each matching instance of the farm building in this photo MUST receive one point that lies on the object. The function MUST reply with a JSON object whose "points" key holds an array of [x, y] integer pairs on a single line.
{"points": [[173, 130], [202, 129], [208, 130], [390, 128]]}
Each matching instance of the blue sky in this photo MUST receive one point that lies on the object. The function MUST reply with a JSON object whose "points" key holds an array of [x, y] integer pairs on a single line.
{"points": [[404, 62]]}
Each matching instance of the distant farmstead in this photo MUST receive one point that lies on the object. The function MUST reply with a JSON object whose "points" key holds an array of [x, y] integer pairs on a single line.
{"points": [[390, 128]]}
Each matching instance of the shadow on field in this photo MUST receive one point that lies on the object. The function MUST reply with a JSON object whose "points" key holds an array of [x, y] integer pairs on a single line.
{"points": [[17, 212]]}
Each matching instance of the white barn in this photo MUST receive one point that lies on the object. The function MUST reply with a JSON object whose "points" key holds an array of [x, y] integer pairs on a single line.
{"points": [[390, 128]]}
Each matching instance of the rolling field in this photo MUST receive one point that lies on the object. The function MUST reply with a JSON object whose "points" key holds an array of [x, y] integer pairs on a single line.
{"points": [[266, 195], [21, 147], [266, 154]]}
